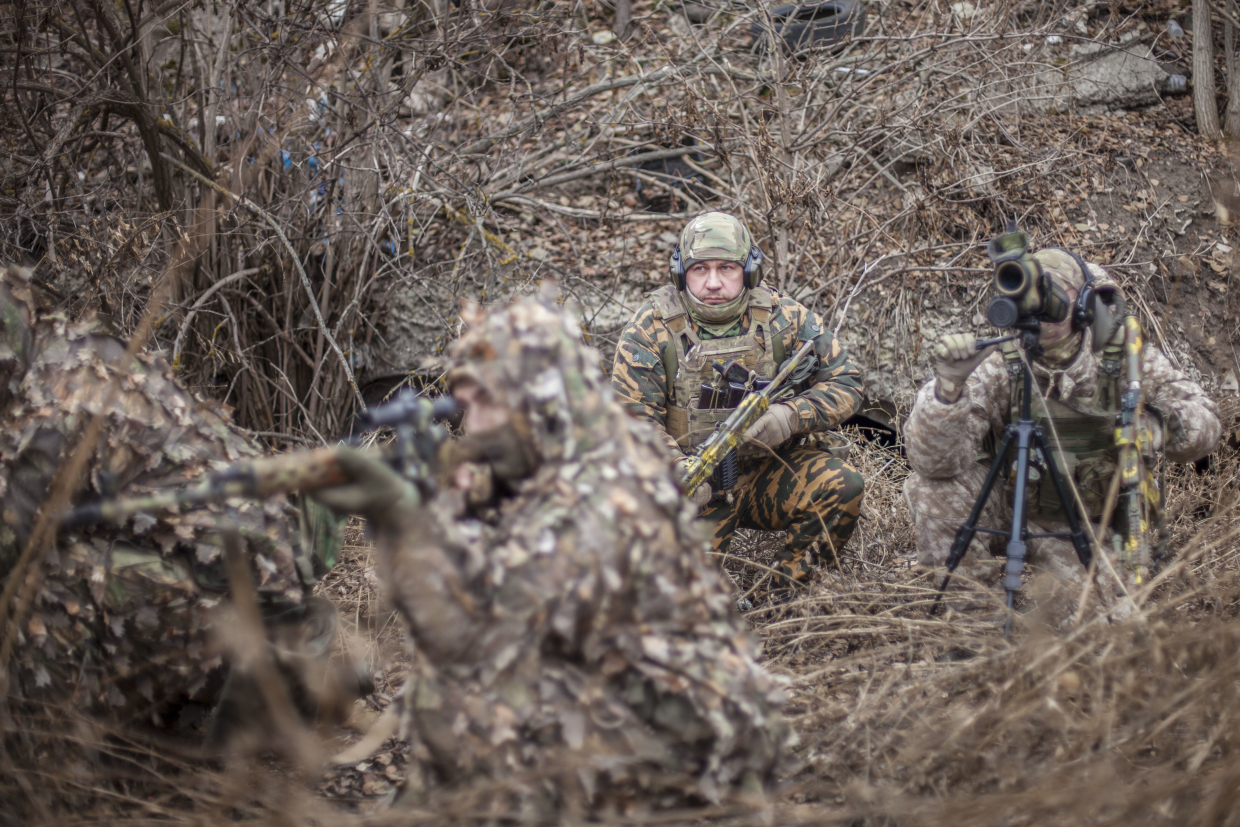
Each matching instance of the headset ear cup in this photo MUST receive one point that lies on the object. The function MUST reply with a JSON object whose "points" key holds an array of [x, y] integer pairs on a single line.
{"points": [[1083, 311], [1083, 314], [753, 267], [676, 268]]}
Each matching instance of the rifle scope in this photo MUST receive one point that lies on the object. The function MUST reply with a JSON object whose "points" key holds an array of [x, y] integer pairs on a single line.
{"points": [[407, 407]]}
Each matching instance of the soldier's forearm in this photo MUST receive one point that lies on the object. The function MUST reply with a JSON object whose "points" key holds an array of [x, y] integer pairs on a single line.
{"points": [[439, 608], [941, 439], [825, 406], [1193, 430]]}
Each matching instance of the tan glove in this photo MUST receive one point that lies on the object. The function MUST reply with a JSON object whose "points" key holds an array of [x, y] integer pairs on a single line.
{"points": [[699, 496], [955, 357], [775, 427], [375, 491]]}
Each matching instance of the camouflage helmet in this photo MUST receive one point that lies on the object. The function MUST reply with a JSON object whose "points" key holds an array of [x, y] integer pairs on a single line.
{"points": [[530, 358], [716, 236], [1109, 305]]}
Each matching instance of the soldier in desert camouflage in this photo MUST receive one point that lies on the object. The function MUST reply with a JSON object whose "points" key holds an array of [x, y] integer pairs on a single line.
{"points": [[960, 413], [717, 309], [120, 622], [576, 649]]}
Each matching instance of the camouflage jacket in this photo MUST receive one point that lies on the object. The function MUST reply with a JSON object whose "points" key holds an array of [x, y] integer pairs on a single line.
{"points": [[640, 380], [942, 440], [574, 627], [120, 620]]}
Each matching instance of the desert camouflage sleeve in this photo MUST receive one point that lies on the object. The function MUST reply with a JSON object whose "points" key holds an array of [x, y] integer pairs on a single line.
{"points": [[637, 374], [1191, 416], [943, 440], [835, 393]]}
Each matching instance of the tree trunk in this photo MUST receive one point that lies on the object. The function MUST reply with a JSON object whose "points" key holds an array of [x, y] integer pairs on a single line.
{"points": [[1232, 125], [624, 13], [1205, 104]]}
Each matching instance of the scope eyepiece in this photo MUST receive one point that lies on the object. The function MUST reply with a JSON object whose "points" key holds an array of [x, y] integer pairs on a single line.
{"points": [[445, 407]]}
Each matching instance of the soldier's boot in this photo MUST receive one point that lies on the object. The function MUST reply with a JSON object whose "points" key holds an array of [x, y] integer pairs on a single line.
{"points": [[795, 571]]}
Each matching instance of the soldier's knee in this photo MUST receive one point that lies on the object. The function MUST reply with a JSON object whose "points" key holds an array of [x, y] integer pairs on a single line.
{"points": [[941, 498], [914, 492], [843, 485], [853, 486]]}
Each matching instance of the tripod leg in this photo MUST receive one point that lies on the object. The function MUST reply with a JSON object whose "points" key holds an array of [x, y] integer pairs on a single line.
{"points": [[1017, 550], [1079, 541], [966, 532]]}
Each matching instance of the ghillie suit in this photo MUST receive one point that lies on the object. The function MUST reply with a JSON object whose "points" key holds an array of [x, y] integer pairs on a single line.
{"points": [[576, 649], [119, 624]]}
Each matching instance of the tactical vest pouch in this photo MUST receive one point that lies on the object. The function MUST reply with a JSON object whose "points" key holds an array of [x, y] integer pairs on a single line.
{"points": [[690, 428], [1093, 479], [677, 421], [1033, 488], [712, 396]]}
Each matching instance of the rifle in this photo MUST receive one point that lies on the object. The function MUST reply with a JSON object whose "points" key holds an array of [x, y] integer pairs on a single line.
{"points": [[418, 439], [730, 433], [1140, 498]]}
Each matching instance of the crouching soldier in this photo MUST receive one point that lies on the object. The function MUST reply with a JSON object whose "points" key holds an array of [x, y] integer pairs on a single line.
{"points": [[716, 310], [960, 414], [576, 650]]}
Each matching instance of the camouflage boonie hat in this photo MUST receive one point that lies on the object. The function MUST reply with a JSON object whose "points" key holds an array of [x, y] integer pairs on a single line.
{"points": [[714, 235], [531, 359]]}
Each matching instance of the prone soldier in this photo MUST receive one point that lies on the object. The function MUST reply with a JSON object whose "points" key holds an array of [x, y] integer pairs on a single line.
{"points": [[120, 625], [717, 310], [960, 414], [574, 643]]}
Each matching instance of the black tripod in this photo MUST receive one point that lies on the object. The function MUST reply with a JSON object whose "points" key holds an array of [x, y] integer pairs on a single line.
{"points": [[1029, 438]]}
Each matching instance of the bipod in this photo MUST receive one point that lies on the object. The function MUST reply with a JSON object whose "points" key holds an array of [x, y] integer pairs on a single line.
{"points": [[1029, 441]]}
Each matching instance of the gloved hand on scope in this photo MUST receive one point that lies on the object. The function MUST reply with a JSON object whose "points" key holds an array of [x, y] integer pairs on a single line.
{"points": [[955, 357]]}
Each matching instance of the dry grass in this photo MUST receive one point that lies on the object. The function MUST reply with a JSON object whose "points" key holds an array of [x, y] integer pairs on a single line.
{"points": [[918, 720], [903, 719]]}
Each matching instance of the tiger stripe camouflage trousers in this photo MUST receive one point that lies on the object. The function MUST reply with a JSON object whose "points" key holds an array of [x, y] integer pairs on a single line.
{"points": [[804, 491]]}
